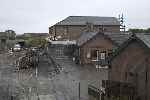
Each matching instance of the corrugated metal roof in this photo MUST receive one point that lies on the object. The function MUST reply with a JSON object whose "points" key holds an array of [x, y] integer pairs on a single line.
{"points": [[145, 37], [95, 20]]}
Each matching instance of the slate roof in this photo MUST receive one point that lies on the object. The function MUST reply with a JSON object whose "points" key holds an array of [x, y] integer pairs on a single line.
{"points": [[117, 38], [86, 36], [82, 20], [145, 37]]}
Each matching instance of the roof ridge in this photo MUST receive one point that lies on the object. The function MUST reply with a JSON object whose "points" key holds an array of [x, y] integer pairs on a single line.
{"points": [[85, 37], [81, 20], [94, 16]]}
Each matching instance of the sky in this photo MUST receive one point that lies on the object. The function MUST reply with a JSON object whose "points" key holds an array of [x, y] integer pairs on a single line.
{"points": [[37, 15]]}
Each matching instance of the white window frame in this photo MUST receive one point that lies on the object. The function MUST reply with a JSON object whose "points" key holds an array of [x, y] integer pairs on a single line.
{"points": [[103, 55]]}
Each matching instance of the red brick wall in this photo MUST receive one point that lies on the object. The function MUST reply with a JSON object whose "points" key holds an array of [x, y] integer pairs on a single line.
{"points": [[132, 57], [99, 42]]}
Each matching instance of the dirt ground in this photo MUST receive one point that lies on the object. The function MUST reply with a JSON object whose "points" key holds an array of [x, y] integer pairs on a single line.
{"points": [[47, 85]]}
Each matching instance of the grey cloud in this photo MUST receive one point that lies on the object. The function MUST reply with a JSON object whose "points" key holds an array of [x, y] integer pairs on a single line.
{"points": [[38, 15]]}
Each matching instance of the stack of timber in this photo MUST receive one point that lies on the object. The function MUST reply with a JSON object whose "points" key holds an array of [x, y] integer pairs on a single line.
{"points": [[29, 60]]}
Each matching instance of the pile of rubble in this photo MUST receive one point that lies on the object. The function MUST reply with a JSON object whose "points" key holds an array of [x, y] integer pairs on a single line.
{"points": [[29, 60]]}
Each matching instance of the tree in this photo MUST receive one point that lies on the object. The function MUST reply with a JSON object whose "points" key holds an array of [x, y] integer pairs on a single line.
{"points": [[140, 30], [36, 42]]}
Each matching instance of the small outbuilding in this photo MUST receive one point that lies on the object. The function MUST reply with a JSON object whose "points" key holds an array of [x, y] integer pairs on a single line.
{"points": [[96, 47], [131, 64]]}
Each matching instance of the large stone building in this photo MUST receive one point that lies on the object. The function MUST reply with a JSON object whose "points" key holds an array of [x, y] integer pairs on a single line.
{"points": [[131, 66], [7, 39], [71, 27]]}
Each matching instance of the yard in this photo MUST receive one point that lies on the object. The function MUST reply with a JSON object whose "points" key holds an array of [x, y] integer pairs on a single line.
{"points": [[70, 82]]}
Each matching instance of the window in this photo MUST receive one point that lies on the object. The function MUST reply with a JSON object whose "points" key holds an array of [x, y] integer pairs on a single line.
{"points": [[102, 55], [97, 54], [102, 29]]}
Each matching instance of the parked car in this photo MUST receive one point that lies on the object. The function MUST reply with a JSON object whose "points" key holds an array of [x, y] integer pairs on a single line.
{"points": [[17, 47], [34, 48]]}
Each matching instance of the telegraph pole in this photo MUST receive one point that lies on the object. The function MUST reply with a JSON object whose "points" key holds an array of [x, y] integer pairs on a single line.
{"points": [[122, 25]]}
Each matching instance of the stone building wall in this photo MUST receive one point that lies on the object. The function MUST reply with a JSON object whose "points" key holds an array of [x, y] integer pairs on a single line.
{"points": [[72, 32], [7, 39]]}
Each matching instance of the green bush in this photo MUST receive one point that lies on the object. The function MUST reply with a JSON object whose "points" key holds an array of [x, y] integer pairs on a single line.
{"points": [[36, 42]]}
